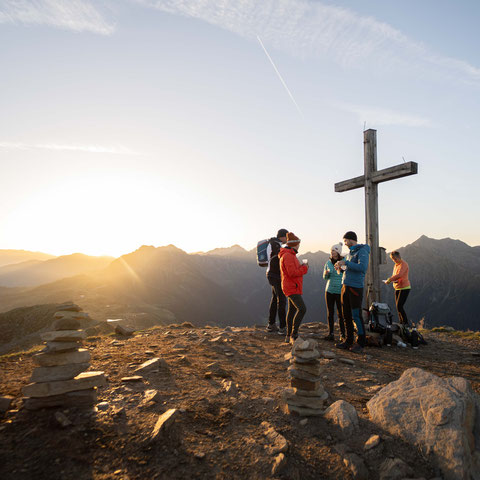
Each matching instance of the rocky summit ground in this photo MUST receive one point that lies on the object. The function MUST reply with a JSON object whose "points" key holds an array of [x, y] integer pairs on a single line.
{"points": [[216, 434]]}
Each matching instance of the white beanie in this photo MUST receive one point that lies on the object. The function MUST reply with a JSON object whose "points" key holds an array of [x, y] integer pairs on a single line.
{"points": [[337, 248]]}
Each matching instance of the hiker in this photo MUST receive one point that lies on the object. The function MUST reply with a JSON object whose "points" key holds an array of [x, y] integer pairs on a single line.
{"points": [[354, 267], [292, 285], [278, 301], [333, 289], [401, 285]]}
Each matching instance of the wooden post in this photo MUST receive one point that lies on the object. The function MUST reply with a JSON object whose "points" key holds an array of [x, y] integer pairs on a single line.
{"points": [[371, 216], [370, 181]]}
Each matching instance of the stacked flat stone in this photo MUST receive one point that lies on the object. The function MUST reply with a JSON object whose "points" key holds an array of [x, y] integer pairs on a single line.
{"points": [[60, 378], [306, 397]]}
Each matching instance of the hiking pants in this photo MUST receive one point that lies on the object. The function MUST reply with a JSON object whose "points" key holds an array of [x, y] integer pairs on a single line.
{"points": [[400, 299], [278, 303], [352, 312], [296, 312], [332, 299]]}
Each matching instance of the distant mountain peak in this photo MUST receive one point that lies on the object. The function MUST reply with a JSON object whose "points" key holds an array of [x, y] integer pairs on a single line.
{"points": [[233, 250]]}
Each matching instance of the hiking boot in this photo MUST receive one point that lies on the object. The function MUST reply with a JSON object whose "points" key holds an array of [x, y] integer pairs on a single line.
{"points": [[330, 337], [272, 328], [293, 338], [356, 348], [343, 345], [287, 339], [282, 331]]}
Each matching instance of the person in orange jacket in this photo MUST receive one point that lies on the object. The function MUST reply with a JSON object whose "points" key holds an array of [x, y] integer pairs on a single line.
{"points": [[292, 272], [401, 284]]}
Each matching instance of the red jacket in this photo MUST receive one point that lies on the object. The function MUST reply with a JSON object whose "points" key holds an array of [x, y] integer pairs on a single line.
{"points": [[292, 272]]}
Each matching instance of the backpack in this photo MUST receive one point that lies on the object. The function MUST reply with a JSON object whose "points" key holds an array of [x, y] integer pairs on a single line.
{"points": [[380, 318], [262, 257]]}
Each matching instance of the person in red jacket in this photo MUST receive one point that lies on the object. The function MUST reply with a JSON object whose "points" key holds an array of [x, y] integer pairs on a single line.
{"points": [[292, 272]]}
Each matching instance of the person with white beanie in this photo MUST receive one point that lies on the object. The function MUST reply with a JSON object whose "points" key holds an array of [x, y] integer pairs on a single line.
{"points": [[333, 290]]}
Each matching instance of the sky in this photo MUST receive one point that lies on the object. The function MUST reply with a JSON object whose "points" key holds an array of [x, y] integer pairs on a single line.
{"points": [[205, 124]]}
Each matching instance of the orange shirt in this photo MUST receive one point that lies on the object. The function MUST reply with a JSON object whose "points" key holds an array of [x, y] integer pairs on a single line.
{"points": [[400, 275]]}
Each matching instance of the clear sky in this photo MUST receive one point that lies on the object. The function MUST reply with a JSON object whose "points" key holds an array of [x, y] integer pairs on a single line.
{"points": [[130, 122]]}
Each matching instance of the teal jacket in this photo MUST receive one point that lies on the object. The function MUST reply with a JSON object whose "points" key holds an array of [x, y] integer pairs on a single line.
{"points": [[334, 279]]}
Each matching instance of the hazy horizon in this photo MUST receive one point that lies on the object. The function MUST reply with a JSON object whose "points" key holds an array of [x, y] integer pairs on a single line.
{"points": [[216, 123]]}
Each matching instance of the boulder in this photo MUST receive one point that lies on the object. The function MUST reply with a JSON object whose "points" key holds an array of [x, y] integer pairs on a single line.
{"points": [[63, 336], [277, 443], [126, 331], [61, 372], [5, 402], [279, 464], [53, 347], [313, 369], [304, 411], [83, 381], [357, 466], [441, 416], [82, 398], [395, 469], [344, 415], [62, 358], [68, 307], [66, 324], [372, 442], [303, 375], [164, 422], [71, 315], [152, 365], [305, 384]]}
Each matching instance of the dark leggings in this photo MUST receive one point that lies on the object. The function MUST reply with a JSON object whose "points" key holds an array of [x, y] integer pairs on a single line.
{"points": [[400, 299], [278, 303], [295, 314], [332, 299], [352, 312]]}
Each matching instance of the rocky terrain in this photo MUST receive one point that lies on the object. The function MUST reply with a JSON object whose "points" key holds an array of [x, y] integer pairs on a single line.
{"points": [[212, 406]]}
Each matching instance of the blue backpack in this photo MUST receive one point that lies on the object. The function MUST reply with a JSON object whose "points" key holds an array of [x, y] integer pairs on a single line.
{"points": [[262, 257]]}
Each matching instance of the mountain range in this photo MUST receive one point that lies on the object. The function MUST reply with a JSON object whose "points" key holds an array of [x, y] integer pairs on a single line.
{"points": [[226, 287]]}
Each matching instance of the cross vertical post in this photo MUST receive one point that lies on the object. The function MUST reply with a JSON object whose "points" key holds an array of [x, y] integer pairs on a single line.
{"points": [[370, 180], [371, 216]]}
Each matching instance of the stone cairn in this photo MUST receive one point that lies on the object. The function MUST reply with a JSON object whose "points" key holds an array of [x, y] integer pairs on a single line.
{"points": [[60, 378], [306, 397]]}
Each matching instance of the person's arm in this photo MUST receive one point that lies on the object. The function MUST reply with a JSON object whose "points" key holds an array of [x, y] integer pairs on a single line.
{"points": [[293, 269], [401, 273], [362, 264]]}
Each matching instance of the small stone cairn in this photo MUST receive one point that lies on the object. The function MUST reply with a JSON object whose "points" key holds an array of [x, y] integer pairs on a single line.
{"points": [[307, 395], [60, 378]]}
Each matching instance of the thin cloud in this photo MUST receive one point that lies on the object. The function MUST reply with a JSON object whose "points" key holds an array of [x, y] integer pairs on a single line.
{"points": [[306, 28], [115, 150], [76, 15], [380, 116]]}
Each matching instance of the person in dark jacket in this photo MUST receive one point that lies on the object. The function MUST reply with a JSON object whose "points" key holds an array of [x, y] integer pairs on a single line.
{"points": [[354, 269], [278, 301], [333, 290], [292, 285]]}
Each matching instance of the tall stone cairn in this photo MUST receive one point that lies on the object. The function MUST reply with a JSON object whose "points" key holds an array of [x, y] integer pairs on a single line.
{"points": [[306, 397], [60, 380]]}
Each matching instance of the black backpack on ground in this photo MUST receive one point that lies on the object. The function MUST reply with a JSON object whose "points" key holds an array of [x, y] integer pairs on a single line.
{"points": [[380, 318]]}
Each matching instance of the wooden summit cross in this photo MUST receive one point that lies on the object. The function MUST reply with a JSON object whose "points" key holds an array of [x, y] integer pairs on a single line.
{"points": [[370, 181]]}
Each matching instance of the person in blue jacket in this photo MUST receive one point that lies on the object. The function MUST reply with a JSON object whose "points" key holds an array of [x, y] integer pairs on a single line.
{"points": [[354, 269], [333, 289]]}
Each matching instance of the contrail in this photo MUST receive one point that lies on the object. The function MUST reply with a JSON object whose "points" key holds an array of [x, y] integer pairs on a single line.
{"points": [[280, 77]]}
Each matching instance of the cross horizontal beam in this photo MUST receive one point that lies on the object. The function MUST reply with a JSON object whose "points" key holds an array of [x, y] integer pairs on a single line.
{"points": [[398, 171]]}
